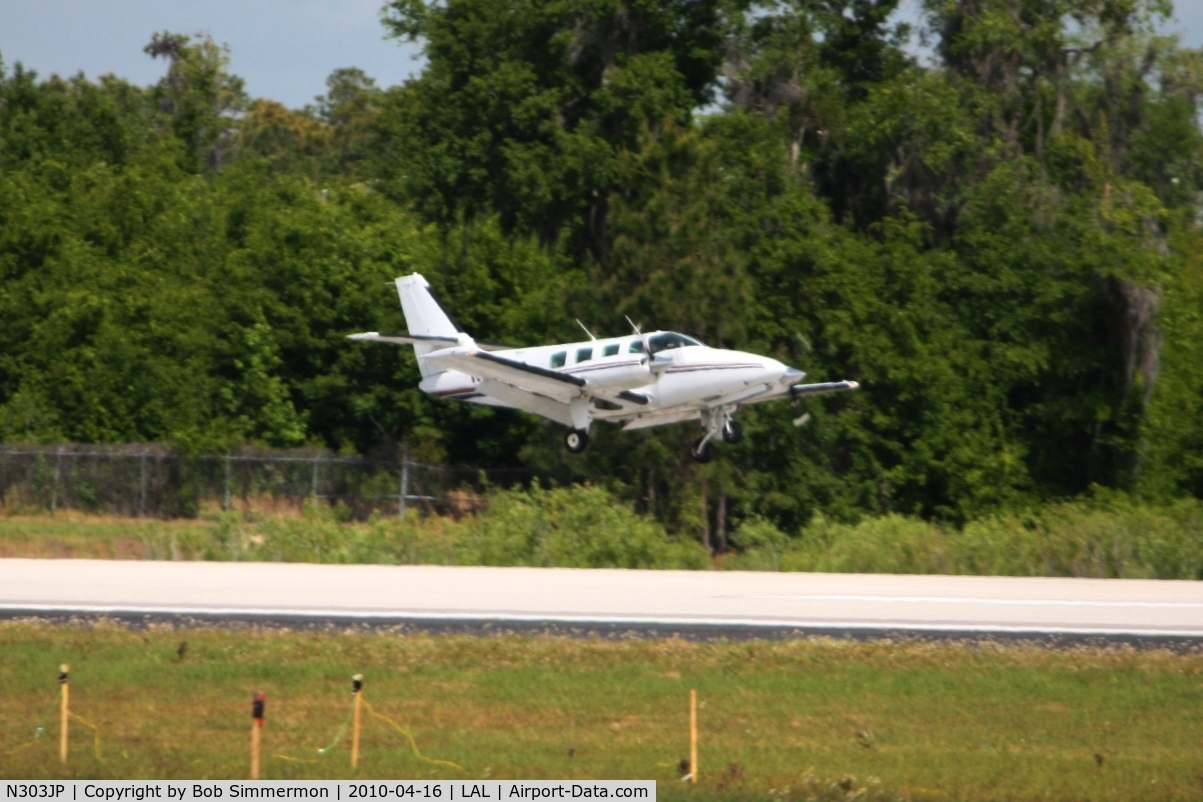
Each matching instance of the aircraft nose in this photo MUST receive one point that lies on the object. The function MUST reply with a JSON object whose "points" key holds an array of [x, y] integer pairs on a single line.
{"points": [[792, 375], [775, 370]]}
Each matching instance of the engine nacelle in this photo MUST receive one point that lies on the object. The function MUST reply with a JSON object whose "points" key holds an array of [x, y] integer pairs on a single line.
{"points": [[613, 377]]}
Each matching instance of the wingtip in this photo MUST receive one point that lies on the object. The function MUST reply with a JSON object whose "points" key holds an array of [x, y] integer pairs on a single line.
{"points": [[853, 385]]}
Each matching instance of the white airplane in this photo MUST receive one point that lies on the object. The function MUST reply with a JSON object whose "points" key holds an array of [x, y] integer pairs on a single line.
{"points": [[640, 380]]}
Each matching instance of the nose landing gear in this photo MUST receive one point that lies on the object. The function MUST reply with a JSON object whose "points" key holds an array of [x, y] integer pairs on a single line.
{"points": [[716, 423], [703, 450]]}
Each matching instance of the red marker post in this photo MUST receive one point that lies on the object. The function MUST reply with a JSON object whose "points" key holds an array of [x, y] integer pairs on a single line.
{"points": [[256, 725]]}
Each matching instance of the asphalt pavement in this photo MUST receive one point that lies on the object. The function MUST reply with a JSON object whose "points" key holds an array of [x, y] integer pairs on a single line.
{"points": [[690, 603]]}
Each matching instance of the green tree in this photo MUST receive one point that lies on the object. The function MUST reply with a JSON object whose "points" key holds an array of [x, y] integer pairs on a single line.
{"points": [[198, 96]]}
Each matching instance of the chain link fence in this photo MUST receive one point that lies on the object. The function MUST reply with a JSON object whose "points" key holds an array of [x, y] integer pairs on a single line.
{"points": [[154, 481]]}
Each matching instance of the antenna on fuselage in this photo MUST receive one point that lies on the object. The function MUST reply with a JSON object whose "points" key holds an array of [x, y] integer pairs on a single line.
{"points": [[582, 325], [636, 328]]}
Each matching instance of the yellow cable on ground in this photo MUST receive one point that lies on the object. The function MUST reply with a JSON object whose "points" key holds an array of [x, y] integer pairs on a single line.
{"points": [[14, 750], [95, 732], [413, 744], [324, 750], [40, 727]]}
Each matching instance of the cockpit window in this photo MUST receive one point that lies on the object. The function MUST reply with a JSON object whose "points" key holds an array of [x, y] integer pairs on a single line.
{"points": [[636, 347], [668, 341]]}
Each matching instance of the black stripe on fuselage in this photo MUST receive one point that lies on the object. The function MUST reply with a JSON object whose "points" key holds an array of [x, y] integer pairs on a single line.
{"points": [[600, 366], [694, 368]]}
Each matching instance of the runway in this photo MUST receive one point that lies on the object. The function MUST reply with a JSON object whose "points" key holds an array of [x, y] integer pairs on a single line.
{"points": [[689, 603]]}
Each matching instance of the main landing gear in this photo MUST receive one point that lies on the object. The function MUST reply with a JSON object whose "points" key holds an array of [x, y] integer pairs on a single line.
{"points": [[716, 423], [576, 441]]}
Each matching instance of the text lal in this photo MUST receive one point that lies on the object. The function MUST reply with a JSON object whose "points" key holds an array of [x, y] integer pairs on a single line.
{"points": [[576, 791]]}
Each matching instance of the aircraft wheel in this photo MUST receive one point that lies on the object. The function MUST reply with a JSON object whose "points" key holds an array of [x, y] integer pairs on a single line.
{"points": [[703, 450], [576, 441], [733, 432]]}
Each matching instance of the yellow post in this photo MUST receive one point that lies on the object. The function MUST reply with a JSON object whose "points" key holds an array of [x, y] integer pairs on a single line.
{"points": [[356, 688], [63, 713], [256, 725], [693, 736]]}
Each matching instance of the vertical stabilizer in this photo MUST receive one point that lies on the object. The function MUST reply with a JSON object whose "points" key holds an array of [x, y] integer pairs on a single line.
{"points": [[424, 315]]}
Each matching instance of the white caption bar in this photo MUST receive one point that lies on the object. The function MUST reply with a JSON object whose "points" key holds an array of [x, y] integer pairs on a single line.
{"points": [[336, 790]]}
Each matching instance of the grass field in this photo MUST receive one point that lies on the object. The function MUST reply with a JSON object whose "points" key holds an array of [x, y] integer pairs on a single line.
{"points": [[779, 720], [74, 534]]}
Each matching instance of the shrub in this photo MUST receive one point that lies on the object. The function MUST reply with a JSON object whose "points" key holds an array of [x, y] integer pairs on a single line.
{"points": [[573, 527]]}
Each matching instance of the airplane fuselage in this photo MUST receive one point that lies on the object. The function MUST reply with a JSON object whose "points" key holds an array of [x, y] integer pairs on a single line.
{"points": [[685, 375]]}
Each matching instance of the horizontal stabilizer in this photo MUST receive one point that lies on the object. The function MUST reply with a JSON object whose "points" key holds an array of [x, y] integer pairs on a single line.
{"points": [[420, 339], [403, 339], [799, 390]]}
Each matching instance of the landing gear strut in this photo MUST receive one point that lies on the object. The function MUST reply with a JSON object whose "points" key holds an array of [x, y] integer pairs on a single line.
{"points": [[576, 441], [716, 423]]}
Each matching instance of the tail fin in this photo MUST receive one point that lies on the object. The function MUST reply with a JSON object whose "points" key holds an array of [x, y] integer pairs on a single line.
{"points": [[424, 315]]}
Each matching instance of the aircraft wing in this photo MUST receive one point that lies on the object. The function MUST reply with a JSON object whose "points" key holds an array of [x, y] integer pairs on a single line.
{"points": [[559, 387], [420, 339], [770, 393], [823, 388]]}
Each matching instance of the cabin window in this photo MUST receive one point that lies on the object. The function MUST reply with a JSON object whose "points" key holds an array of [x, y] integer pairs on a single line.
{"points": [[611, 350], [558, 359], [636, 347], [584, 354], [668, 341]]}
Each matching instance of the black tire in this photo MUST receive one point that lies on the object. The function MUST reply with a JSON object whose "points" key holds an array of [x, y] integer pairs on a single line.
{"points": [[733, 432], [576, 441], [703, 450]]}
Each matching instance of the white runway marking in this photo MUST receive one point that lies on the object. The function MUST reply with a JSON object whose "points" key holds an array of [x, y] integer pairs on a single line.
{"points": [[837, 597]]}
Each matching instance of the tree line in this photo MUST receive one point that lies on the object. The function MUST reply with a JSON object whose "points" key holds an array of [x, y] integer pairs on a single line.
{"points": [[1000, 240]]}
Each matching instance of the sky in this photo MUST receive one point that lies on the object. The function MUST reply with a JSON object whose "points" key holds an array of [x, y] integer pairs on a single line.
{"points": [[284, 49]]}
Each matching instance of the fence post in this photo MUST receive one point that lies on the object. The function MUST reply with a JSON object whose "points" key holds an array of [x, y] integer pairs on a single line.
{"points": [[58, 459], [693, 736], [313, 488], [403, 489], [142, 486], [64, 713], [225, 503], [256, 725], [356, 691]]}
